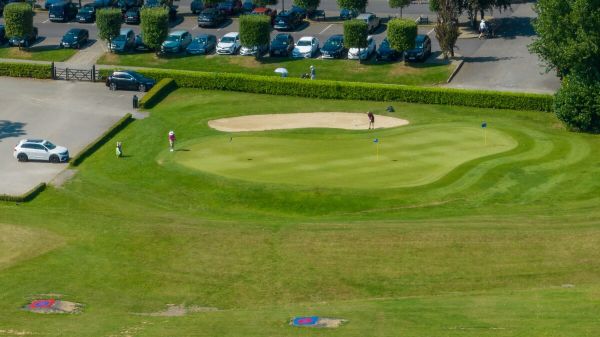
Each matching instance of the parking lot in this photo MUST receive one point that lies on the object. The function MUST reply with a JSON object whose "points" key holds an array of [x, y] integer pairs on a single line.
{"points": [[71, 114]]}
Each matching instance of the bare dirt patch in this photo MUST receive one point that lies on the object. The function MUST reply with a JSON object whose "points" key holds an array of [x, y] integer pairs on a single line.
{"points": [[335, 120], [174, 310]]}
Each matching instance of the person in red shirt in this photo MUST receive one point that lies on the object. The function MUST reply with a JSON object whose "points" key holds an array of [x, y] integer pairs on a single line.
{"points": [[371, 120], [172, 140]]}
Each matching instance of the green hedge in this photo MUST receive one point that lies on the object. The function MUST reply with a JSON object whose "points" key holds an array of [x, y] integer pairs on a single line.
{"points": [[96, 144], [27, 196], [14, 69], [351, 90], [157, 93]]}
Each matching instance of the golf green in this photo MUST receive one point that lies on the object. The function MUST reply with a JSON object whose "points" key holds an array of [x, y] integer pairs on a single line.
{"points": [[401, 157]]}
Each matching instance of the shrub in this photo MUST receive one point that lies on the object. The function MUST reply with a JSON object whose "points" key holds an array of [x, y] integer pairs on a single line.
{"points": [[108, 21], [157, 93], [18, 18], [359, 5], [309, 5], [96, 144], [355, 34], [255, 30], [402, 34], [155, 26], [351, 90], [26, 70], [577, 104]]}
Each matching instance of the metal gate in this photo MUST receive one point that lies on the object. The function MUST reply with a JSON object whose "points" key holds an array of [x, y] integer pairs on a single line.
{"points": [[71, 74]]}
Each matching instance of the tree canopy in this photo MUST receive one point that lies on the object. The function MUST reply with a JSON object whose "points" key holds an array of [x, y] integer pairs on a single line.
{"points": [[359, 5], [401, 34], [108, 21], [308, 4], [355, 34], [155, 26], [399, 4], [18, 18], [254, 30]]}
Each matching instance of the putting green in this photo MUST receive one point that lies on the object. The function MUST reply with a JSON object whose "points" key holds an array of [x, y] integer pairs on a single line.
{"points": [[403, 157]]}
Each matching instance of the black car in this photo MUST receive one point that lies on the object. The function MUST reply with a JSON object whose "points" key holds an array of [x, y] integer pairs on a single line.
{"points": [[282, 45], [202, 44], [87, 13], [386, 53], [301, 12], [132, 16], [210, 17], [333, 47], [75, 38], [1, 7], [230, 7], [124, 5], [421, 51], [139, 43], [287, 20], [248, 6], [130, 80], [2, 35], [348, 14], [24, 41], [196, 6], [62, 11]]}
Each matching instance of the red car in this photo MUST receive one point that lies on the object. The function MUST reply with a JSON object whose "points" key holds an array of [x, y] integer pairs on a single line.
{"points": [[265, 11]]}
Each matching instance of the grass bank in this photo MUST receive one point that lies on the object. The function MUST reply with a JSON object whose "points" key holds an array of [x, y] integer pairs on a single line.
{"points": [[38, 53]]}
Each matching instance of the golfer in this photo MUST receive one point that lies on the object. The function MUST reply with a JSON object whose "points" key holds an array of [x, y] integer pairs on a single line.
{"points": [[371, 120], [119, 150], [313, 74], [172, 140]]}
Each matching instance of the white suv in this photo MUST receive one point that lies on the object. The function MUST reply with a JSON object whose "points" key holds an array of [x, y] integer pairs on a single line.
{"points": [[229, 44], [40, 149]]}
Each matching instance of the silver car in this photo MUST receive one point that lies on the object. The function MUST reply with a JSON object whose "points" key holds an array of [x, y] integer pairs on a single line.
{"points": [[40, 149]]}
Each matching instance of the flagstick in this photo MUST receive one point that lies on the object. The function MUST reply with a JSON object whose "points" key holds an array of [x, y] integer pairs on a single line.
{"points": [[485, 136], [378, 151]]}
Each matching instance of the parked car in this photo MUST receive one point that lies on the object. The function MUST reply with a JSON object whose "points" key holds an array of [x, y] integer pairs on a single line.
{"points": [[24, 41], [333, 47], [386, 53], [272, 13], [139, 43], [202, 44], [306, 47], [229, 44], [210, 17], [49, 3], [2, 34], [87, 13], [299, 11], [287, 20], [282, 45], [363, 53], [124, 5], [62, 11], [75, 38], [132, 16], [230, 7], [157, 3], [104, 3], [348, 14], [421, 51], [1, 7], [176, 42], [124, 42], [128, 79], [196, 6], [248, 6], [40, 149], [254, 50], [371, 19]]}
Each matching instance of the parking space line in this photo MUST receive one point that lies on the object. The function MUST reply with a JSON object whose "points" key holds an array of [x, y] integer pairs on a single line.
{"points": [[194, 27], [326, 28], [431, 31], [46, 21]]}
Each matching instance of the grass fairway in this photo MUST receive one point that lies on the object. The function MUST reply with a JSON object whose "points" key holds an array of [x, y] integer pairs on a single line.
{"points": [[343, 159], [38, 53], [503, 244], [340, 70]]}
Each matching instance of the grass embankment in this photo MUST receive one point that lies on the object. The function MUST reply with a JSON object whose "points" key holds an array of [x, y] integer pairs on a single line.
{"points": [[38, 53], [503, 245], [340, 70]]}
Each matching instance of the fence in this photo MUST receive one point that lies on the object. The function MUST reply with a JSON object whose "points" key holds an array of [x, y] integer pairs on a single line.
{"points": [[71, 74]]}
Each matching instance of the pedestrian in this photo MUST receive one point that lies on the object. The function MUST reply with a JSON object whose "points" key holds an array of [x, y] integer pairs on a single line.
{"points": [[482, 28], [172, 140], [313, 74], [371, 120], [135, 101], [119, 150]]}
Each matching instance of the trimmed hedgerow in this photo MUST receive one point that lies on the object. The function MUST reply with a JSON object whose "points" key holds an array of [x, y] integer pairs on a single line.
{"points": [[157, 93], [351, 90], [32, 70], [27, 196]]}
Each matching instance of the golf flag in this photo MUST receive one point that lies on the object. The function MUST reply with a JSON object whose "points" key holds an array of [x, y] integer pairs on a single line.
{"points": [[376, 140], [484, 124]]}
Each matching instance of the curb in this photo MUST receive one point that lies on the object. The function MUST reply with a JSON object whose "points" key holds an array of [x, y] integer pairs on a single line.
{"points": [[460, 64]]}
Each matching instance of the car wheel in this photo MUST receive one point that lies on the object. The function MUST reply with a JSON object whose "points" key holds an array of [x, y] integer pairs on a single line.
{"points": [[54, 159], [142, 88], [113, 86], [22, 157]]}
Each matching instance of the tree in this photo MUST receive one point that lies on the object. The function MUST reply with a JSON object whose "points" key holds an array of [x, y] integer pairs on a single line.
{"points": [[18, 18], [309, 5], [446, 27], [355, 34], [255, 30], [402, 34], [108, 21], [359, 5], [577, 103], [155, 26], [568, 39], [263, 3], [399, 4]]}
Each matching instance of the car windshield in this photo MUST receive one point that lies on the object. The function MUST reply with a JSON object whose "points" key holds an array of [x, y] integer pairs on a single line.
{"points": [[172, 38], [201, 41], [304, 43], [49, 145], [136, 76], [120, 38], [281, 40], [227, 39], [333, 43], [419, 45]]}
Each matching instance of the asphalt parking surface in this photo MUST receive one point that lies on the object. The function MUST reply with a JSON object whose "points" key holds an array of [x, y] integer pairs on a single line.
{"points": [[71, 114]]}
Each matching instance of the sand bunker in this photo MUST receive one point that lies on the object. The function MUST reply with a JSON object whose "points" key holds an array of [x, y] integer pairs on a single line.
{"points": [[52, 306], [317, 322], [335, 120]]}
